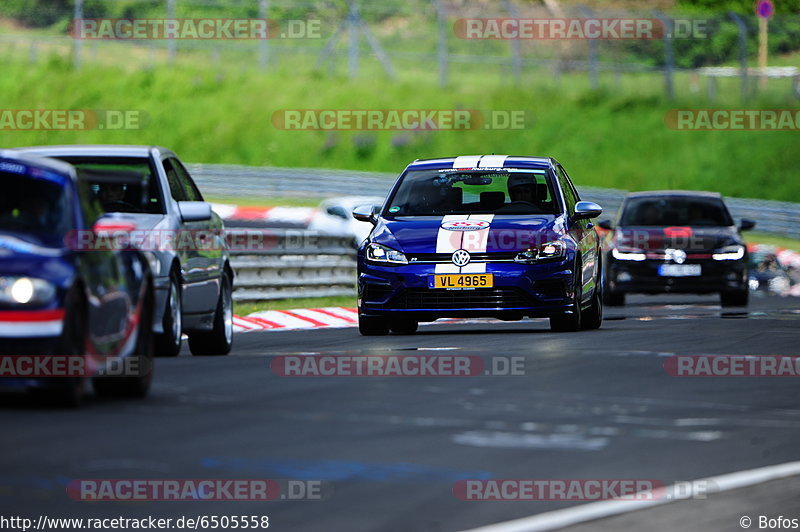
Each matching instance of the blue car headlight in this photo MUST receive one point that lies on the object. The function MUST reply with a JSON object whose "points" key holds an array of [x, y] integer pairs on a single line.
{"points": [[383, 254], [20, 290], [557, 249]]}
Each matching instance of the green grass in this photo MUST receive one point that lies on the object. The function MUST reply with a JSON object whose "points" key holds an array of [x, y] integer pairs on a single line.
{"points": [[243, 309], [773, 240], [283, 201], [610, 138]]}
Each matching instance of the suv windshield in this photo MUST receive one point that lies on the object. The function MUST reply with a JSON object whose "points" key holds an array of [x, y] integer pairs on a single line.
{"points": [[34, 207], [679, 211], [440, 192]]}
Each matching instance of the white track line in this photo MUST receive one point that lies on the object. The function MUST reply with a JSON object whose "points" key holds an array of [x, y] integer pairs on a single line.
{"points": [[598, 510]]}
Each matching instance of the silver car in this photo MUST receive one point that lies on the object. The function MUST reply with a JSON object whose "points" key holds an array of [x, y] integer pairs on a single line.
{"points": [[182, 237]]}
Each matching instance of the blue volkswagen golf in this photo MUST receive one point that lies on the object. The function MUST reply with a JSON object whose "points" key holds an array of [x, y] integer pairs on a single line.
{"points": [[480, 236]]}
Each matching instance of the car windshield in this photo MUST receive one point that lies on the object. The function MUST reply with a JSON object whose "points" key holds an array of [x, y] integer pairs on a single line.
{"points": [[677, 211], [441, 192], [32, 206], [119, 197]]}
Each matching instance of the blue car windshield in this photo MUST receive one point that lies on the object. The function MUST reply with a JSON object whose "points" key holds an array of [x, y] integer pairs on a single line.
{"points": [[34, 207], [441, 192]]}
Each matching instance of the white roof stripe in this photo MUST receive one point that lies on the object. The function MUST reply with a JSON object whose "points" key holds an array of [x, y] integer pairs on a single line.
{"points": [[492, 161], [466, 161]]}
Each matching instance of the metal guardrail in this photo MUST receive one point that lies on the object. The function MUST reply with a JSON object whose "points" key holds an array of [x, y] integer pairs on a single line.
{"points": [[289, 264], [776, 217]]}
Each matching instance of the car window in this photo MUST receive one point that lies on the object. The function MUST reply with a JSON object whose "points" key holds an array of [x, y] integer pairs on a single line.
{"points": [[441, 192], [35, 207], [570, 195], [677, 211], [135, 189], [173, 179], [192, 193]]}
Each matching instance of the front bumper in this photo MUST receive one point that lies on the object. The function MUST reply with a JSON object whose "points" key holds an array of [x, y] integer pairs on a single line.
{"points": [[519, 290], [643, 277]]}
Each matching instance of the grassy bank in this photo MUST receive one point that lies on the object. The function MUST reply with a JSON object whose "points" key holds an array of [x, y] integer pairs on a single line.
{"points": [[609, 138]]}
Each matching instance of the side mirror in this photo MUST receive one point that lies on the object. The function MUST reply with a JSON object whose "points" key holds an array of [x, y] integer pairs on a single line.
{"points": [[605, 224], [746, 224], [585, 210], [338, 211], [366, 213], [194, 211]]}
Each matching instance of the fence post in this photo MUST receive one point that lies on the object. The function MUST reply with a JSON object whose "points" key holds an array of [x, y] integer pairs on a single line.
{"points": [[592, 51], [76, 37], [441, 44], [171, 45], [352, 31], [516, 55], [742, 53], [669, 59], [263, 51]]}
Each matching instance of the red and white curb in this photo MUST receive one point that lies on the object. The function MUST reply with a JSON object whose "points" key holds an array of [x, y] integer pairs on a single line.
{"points": [[298, 215], [303, 318]]}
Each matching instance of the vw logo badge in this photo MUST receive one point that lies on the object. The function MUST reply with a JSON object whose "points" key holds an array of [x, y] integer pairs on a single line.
{"points": [[678, 255], [461, 257]]}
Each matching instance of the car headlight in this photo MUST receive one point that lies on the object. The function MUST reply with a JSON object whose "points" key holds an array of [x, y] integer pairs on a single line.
{"points": [[734, 252], [15, 290], [628, 254], [557, 249], [379, 253], [154, 261]]}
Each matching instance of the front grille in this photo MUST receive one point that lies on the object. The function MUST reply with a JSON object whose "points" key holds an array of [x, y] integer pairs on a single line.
{"points": [[483, 298], [492, 256]]}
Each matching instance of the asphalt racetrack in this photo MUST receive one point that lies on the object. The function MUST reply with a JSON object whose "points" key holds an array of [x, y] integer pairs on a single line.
{"points": [[389, 450]]}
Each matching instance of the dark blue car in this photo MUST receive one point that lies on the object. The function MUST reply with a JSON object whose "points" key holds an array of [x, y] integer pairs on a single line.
{"points": [[480, 236], [73, 296]]}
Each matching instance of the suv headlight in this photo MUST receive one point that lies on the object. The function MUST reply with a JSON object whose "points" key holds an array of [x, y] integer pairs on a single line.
{"points": [[557, 249], [379, 253], [734, 252], [628, 254], [16, 290]]}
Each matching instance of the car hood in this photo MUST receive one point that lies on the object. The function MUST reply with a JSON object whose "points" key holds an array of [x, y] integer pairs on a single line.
{"points": [[685, 238], [24, 257], [142, 221], [505, 233]]}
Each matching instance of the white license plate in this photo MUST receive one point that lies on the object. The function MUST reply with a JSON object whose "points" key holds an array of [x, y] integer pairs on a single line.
{"points": [[679, 270]]}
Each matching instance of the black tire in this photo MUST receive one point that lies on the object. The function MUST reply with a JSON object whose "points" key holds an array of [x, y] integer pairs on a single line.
{"points": [[68, 392], [406, 326], [219, 340], [138, 384], [168, 343], [614, 299], [570, 322], [372, 326], [592, 317], [735, 299]]}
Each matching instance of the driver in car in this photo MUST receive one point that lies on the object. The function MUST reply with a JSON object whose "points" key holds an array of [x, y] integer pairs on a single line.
{"points": [[522, 188], [111, 193]]}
